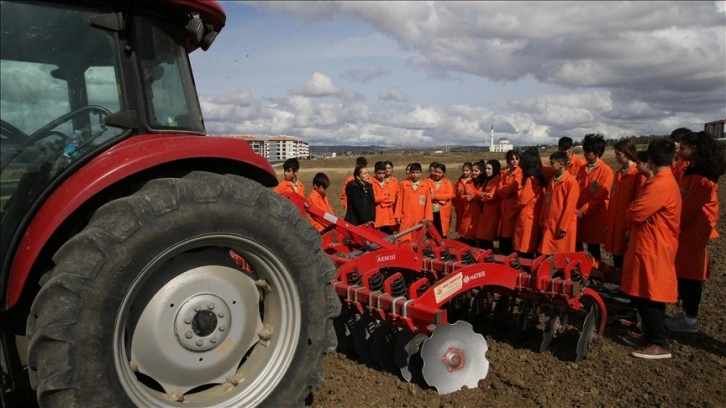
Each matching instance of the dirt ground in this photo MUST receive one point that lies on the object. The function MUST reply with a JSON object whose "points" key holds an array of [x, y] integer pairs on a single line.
{"points": [[519, 376]]}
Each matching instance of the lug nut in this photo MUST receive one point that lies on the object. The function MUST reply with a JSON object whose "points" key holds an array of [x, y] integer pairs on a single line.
{"points": [[200, 342], [213, 339], [210, 305], [222, 327], [197, 308], [188, 320], [188, 334], [220, 313]]}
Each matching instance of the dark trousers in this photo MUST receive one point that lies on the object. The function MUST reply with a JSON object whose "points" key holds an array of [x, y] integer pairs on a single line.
{"points": [[593, 249], [485, 244], [506, 246], [387, 229], [618, 261], [437, 223], [526, 255], [652, 315], [690, 291]]}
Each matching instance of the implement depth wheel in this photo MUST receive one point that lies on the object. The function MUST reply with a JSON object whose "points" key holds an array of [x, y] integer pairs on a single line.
{"points": [[145, 307]]}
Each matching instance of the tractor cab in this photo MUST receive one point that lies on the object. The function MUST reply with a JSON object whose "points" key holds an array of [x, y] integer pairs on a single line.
{"points": [[76, 79]]}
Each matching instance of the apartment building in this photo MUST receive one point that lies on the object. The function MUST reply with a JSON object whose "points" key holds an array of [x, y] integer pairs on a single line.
{"points": [[284, 147]]}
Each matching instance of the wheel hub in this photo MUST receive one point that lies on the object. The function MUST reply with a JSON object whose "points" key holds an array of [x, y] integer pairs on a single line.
{"points": [[202, 322], [453, 359]]}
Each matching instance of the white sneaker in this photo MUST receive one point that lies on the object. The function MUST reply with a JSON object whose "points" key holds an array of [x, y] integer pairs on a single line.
{"points": [[679, 323]]}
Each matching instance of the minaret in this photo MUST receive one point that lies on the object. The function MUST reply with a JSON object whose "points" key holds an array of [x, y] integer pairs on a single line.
{"points": [[491, 143]]}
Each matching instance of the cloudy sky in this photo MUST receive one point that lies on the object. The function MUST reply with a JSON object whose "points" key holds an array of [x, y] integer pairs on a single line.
{"points": [[437, 73]]}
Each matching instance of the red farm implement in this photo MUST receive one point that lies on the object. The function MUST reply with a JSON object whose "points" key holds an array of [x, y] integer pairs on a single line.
{"points": [[416, 302]]}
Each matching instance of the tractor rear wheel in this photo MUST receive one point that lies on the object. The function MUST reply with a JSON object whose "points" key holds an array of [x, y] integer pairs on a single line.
{"points": [[146, 306]]}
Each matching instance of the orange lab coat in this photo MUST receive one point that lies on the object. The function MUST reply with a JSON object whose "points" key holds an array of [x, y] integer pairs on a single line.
{"points": [[385, 195], [649, 270], [698, 225], [574, 166], [445, 192], [414, 206], [623, 192], [285, 186], [321, 202], [593, 202], [559, 213], [510, 185], [467, 208], [527, 212], [678, 167], [343, 194], [487, 227]]}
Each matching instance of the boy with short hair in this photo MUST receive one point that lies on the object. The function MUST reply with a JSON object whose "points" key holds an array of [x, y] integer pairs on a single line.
{"points": [[559, 211], [595, 180], [319, 197], [291, 183], [574, 163], [642, 165], [414, 204], [649, 273], [359, 162], [385, 193]]}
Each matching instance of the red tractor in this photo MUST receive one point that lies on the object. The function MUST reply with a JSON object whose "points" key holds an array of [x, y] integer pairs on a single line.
{"points": [[123, 226]]}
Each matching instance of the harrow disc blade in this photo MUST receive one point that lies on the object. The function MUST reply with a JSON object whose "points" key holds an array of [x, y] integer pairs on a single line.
{"points": [[550, 330], [384, 346], [454, 356], [407, 353], [363, 330], [343, 325], [588, 330]]}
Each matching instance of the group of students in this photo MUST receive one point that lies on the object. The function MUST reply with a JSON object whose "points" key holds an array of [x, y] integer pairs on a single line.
{"points": [[655, 213]]}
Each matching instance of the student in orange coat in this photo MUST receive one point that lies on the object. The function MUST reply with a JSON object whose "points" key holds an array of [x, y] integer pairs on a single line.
{"points": [[595, 180], [442, 192], [649, 274], [319, 197], [679, 164], [414, 200], [623, 191], [642, 166], [510, 185], [359, 162], [291, 183], [699, 189], [464, 207], [385, 193], [487, 229], [574, 162], [558, 218], [527, 210]]}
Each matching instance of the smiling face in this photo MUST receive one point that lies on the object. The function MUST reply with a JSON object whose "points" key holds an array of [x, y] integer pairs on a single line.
{"points": [[437, 174], [466, 172], [475, 172], [488, 170]]}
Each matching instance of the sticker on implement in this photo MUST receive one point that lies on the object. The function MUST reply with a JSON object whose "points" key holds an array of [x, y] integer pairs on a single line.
{"points": [[448, 287], [330, 217]]}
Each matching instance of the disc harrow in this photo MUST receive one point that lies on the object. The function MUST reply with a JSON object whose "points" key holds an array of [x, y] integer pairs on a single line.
{"points": [[417, 303]]}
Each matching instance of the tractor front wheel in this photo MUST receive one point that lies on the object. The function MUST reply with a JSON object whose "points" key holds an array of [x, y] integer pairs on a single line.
{"points": [[205, 290]]}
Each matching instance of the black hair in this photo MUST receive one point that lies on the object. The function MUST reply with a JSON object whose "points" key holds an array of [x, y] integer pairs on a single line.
{"points": [[594, 143], [710, 160], [513, 153], [677, 134], [361, 161], [565, 143], [321, 179], [291, 164], [433, 165], [661, 151], [467, 164], [414, 167], [531, 166], [357, 170], [441, 166], [379, 166], [388, 163], [496, 167], [642, 156], [559, 156]]}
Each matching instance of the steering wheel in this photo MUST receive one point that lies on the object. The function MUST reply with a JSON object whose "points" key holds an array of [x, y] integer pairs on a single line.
{"points": [[45, 130]]}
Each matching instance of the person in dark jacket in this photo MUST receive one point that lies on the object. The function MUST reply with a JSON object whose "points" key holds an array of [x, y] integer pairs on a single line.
{"points": [[361, 203]]}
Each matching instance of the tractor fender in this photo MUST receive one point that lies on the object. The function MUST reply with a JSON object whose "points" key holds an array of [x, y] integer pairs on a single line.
{"points": [[129, 157]]}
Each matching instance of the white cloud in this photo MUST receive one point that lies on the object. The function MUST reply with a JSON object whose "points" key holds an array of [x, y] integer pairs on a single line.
{"points": [[321, 86], [365, 75], [393, 94]]}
